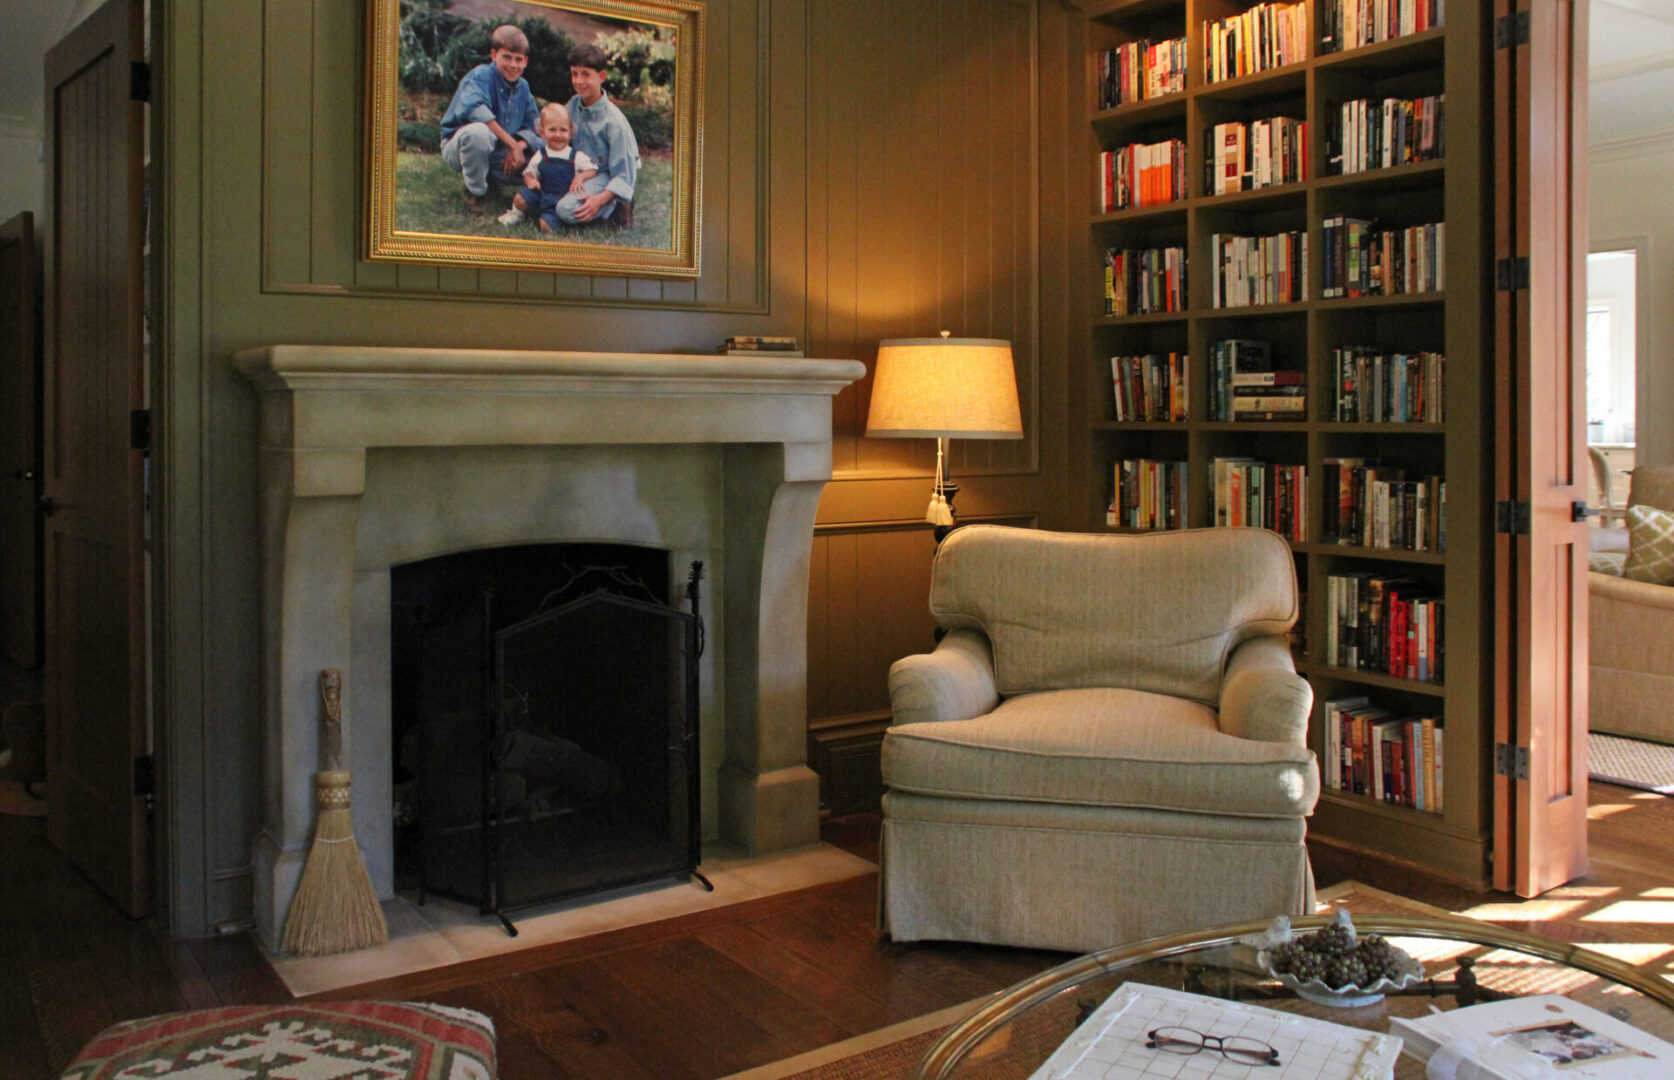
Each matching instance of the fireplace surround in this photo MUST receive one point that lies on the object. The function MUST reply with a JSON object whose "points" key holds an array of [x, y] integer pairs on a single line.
{"points": [[376, 457]]}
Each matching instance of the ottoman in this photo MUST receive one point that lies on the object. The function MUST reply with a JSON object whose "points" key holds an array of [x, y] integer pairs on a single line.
{"points": [[377, 1040]]}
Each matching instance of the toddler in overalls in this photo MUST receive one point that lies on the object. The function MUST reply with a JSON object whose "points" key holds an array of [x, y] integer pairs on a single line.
{"points": [[551, 173]]}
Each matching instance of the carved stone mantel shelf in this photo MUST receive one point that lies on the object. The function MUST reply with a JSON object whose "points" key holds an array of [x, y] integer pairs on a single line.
{"points": [[374, 457]]}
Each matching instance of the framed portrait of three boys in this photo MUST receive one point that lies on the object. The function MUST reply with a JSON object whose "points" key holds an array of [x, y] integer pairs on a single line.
{"points": [[559, 135]]}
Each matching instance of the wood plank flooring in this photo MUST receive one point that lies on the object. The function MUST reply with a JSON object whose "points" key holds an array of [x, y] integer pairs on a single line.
{"points": [[701, 996]]}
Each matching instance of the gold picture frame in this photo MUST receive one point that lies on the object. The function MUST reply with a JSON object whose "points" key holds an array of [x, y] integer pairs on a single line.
{"points": [[430, 60]]}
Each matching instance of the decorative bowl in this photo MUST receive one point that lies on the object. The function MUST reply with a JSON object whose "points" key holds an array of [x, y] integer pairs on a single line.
{"points": [[1408, 972]]}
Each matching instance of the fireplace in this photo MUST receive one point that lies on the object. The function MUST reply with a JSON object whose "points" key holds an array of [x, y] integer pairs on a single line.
{"points": [[544, 715], [373, 458]]}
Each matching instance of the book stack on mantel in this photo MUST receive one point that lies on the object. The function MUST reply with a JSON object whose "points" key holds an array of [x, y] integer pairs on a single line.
{"points": [[744, 345]]}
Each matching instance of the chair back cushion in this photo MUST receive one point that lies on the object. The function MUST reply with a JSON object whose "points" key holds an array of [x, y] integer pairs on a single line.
{"points": [[1652, 485], [1158, 612]]}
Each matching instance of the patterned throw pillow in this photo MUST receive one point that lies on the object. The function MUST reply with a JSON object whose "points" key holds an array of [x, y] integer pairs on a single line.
{"points": [[375, 1040], [1650, 546], [1606, 562]]}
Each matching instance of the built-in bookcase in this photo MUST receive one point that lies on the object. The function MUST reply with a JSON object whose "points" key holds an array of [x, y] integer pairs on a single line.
{"points": [[1305, 336]]}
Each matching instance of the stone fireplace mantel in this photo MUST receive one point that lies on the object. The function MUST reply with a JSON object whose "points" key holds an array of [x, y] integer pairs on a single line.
{"points": [[374, 457]]}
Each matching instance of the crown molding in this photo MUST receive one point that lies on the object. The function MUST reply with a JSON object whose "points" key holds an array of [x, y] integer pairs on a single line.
{"points": [[1655, 142]]}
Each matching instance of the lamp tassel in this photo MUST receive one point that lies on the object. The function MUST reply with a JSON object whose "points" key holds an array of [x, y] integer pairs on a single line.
{"points": [[939, 513], [335, 909]]}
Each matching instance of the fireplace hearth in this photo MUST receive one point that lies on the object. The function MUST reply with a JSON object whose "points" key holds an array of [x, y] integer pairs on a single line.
{"points": [[544, 713]]}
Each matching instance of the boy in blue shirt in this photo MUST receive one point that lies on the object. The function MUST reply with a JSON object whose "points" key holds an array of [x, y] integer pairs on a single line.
{"points": [[490, 124], [603, 134]]}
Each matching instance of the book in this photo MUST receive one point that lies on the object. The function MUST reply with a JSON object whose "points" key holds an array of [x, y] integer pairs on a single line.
{"points": [[1528, 1038], [1113, 1040], [763, 352]]}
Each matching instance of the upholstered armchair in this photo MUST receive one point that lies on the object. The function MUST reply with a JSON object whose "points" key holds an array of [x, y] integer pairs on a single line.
{"points": [[1109, 744], [1630, 634]]}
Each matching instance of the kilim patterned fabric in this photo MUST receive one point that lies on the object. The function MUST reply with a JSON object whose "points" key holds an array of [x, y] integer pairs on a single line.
{"points": [[1650, 546], [374, 1040]]}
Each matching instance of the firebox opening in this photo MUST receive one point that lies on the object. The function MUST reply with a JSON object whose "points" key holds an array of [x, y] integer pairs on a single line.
{"points": [[544, 715]]}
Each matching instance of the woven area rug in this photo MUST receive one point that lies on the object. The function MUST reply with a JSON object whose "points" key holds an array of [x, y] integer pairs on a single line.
{"points": [[891, 1053], [1632, 763]]}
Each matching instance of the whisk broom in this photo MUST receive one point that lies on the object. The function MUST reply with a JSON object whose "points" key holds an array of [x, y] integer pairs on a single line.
{"points": [[335, 909]]}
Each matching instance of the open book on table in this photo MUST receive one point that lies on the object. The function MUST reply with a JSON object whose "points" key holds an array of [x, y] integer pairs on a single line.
{"points": [[1112, 1042], [1546, 1037]]}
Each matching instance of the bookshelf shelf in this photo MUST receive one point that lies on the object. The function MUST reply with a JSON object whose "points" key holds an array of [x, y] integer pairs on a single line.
{"points": [[1302, 336], [1371, 678], [1367, 804], [1393, 178], [1423, 49], [1343, 427], [1355, 551], [1163, 109]]}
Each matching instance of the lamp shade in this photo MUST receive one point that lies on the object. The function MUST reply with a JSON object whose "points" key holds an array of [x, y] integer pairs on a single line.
{"points": [[944, 387]]}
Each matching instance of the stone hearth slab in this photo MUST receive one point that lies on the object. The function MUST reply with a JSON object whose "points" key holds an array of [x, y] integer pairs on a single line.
{"points": [[443, 932]]}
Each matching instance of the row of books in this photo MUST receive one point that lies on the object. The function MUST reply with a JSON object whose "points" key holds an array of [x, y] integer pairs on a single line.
{"points": [[1261, 495], [1366, 134], [1385, 624], [1395, 388], [1265, 37], [1143, 282], [1142, 174], [1379, 506], [1151, 387], [1242, 157], [1252, 270], [1149, 495], [1349, 24], [1244, 386], [1371, 751], [1140, 70], [1364, 260]]}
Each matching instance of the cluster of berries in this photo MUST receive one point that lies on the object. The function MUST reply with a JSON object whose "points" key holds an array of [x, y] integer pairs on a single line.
{"points": [[1336, 958]]}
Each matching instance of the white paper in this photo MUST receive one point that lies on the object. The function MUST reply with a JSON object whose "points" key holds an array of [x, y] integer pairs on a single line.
{"points": [[1110, 1044]]}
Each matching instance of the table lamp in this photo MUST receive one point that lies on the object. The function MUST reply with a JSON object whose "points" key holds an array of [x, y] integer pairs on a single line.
{"points": [[944, 388]]}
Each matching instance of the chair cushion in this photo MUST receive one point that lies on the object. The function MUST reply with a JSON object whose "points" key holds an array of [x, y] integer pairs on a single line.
{"points": [[378, 1040], [1102, 747], [1650, 546], [1156, 612]]}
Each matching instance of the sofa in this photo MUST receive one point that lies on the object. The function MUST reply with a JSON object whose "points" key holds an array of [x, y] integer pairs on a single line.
{"points": [[1108, 745], [1630, 633]]}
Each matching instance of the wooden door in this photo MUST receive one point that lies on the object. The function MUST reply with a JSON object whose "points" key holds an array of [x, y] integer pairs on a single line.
{"points": [[20, 442], [1540, 786], [93, 491]]}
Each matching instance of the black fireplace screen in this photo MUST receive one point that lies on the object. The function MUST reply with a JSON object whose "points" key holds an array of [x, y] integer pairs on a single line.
{"points": [[559, 756]]}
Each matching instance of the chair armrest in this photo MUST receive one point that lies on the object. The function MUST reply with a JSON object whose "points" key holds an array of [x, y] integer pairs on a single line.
{"points": [[1262, 696], [1628, 591], [955, 682]]}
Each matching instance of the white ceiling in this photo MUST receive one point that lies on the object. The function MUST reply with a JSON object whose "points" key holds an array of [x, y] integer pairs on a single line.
{"points": [[1631, 70]]}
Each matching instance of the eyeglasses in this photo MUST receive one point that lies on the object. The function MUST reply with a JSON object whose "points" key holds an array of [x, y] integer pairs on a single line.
{"points": [[1244, 1051]]}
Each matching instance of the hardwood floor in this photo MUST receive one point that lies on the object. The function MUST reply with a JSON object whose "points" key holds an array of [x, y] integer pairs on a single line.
{"points": [[701, 996]]}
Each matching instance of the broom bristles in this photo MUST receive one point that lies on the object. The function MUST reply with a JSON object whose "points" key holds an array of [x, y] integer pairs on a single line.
{"points": [[335, 909]]}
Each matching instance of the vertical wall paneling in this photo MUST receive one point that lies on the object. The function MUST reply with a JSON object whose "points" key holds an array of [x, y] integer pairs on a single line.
{"points": [[286, 184], [924, 213]]}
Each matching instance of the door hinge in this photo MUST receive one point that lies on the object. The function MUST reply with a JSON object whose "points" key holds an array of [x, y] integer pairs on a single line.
{"points": [[1511, 30], [1512, 274], [139, 81], [145, 776], [1512, 518], [1512, 761], [139, 429]]}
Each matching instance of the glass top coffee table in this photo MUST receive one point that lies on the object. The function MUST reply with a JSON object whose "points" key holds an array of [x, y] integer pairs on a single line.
{"points": [[1467, 962]]}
